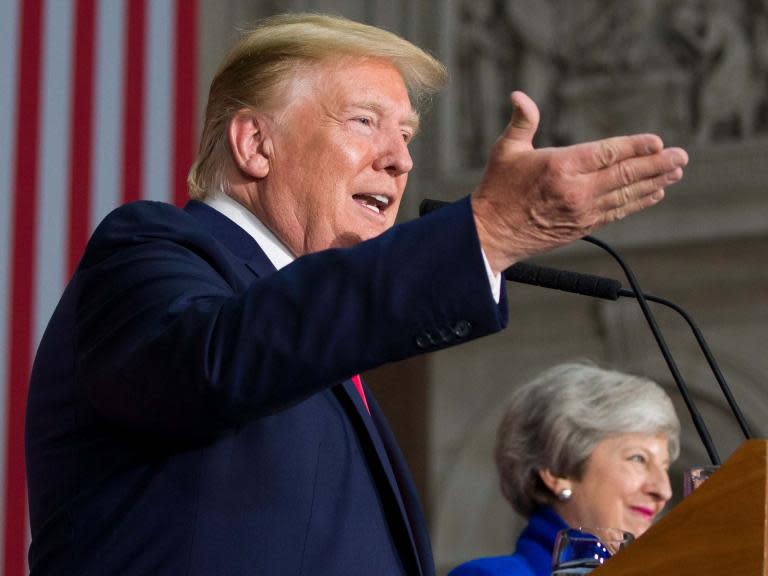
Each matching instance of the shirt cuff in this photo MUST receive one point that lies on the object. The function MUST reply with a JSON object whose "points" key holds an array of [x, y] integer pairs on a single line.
{"points": [[493, 279]]}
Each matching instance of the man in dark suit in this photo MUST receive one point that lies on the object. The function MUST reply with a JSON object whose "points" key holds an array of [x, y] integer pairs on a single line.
{"points": [[194, 407]]}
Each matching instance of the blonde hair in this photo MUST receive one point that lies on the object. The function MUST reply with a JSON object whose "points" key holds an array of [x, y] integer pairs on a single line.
{"points": [[268, 55]]}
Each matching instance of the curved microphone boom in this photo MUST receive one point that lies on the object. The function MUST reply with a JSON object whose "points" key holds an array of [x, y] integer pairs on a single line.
{"points": [[610, 289], [698, 421], [726, 390]]}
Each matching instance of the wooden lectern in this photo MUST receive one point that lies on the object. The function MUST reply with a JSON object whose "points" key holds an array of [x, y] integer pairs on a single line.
{"points": [[721, 529]]}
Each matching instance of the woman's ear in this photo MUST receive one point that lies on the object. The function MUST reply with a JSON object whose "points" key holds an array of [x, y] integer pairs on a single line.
{"points": [[249, 144], [558, 485]]}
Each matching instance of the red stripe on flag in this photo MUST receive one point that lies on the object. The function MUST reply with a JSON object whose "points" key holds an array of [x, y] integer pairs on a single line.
{"points": [[82, 131], [22, 281], [185, 88], [133, 118]]}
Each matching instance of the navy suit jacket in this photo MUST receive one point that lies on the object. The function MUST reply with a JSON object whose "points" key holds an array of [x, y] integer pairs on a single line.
{"points": [[190, 410]]}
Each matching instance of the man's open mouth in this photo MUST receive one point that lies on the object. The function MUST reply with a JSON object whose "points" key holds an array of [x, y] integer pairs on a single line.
{"points": [[374, 202]]}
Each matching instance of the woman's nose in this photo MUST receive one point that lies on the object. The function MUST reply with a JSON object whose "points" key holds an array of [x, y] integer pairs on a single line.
{"points": [[658, 484]]}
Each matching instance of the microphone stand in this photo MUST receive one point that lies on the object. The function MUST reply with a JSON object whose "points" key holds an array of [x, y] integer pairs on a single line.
{"points": [[611, 290], [707, 354], [698, 422]]}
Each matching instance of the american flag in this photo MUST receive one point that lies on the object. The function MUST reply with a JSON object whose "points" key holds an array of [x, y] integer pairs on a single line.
{"points": [[97, 108]]}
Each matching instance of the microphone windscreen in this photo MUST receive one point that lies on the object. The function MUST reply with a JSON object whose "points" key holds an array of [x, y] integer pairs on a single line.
{"points": [[585, 284]]}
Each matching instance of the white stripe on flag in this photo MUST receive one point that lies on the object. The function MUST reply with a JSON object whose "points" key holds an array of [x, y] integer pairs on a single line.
{"points": [[9, 26], [54, 164], [158, 106], [108, 102]]}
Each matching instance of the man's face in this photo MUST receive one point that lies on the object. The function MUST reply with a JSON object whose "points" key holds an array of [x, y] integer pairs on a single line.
{"points": [[338, 156]]}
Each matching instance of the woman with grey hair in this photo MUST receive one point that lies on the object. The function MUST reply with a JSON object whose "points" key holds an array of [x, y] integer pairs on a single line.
{"points": [[581, 446]]}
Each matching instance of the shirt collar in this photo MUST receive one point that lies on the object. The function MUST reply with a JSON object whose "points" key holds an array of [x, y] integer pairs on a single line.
{"points": [[276, 251]]}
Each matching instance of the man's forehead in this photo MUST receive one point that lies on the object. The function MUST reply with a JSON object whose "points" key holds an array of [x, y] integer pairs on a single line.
{"points": [[340, 81]]}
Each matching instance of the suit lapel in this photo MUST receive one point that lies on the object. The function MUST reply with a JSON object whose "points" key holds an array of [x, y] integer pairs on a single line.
{"points": [[411, 506], [235, 239], [371, 430]]}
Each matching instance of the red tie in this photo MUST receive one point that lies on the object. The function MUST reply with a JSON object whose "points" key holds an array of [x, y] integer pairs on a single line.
{"points": [[359, 385]]}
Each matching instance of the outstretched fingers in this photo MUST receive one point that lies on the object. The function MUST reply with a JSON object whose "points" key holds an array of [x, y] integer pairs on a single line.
{"points": [[633, 170], [595, 156], [644, 179], [621, 210]]}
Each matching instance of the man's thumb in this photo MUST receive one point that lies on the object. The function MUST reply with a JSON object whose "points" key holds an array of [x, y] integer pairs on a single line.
{"points": [[525, 119]]}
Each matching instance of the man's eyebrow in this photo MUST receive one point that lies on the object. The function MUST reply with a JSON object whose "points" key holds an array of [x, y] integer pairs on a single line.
{"points": [[411, 120]]}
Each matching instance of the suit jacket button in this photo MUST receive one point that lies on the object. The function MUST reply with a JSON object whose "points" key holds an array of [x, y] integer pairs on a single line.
{"points": [[446, 336], [462, 328], [422, 341]]}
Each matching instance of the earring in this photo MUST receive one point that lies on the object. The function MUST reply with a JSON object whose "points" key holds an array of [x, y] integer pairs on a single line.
{"points": [[565, 494]]}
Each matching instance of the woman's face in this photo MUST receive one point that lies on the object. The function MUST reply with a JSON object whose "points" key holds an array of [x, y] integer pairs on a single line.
{"points": [[625, 484]]}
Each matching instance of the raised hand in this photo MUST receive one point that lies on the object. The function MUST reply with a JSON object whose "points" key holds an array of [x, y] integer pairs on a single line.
{"points": [[532, 200]]}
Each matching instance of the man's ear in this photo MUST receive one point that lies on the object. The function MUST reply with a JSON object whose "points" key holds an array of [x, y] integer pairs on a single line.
{"points": [[556, 484], [248, 143]]}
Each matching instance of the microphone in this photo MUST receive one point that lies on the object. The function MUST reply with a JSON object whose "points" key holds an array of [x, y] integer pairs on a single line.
{"points": [[638, 294], [610, 289], [574, 282], [714, 367]]}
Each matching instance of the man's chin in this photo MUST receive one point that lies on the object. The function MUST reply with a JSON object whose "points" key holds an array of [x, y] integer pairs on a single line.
{"points": [[347, 240], [351, 238]]}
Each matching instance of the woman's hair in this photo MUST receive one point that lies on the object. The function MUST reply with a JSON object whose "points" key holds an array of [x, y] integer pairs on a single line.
{"points": [[555, 421], [266, 59]]}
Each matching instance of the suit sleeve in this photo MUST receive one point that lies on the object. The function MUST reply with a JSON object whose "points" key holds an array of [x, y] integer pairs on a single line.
{"points": [[167, 341]]}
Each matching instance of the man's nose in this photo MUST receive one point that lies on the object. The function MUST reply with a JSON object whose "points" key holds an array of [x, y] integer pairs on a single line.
{"points": [[394, 157]]}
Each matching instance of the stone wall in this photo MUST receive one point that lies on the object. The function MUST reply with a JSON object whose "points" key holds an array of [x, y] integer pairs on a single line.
{"points": [[693, 71]]}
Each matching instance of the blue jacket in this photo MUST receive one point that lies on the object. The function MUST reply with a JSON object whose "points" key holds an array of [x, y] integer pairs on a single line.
{"points": [[190, 411], [533, 553]]}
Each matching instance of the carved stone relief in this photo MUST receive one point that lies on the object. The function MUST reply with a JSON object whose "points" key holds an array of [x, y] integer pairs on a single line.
{"points": [[694, 71]]}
